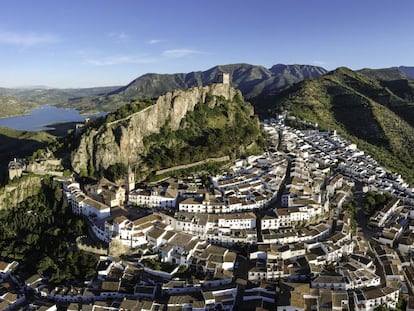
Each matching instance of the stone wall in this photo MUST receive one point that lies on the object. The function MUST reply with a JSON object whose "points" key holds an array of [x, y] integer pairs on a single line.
{"points": [[86, 247], [185, 166]]}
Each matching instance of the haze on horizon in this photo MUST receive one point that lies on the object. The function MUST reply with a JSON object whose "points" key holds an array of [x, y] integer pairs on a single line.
{"points": [[102, 42]]}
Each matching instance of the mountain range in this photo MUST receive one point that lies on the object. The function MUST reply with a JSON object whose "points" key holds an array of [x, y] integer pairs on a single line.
{"points": [[256, 83], [251, 80]]}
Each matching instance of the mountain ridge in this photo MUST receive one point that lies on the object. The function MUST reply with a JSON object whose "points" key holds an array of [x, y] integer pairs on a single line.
{"points": [[255, 81], [242, 76], [407, 70]]}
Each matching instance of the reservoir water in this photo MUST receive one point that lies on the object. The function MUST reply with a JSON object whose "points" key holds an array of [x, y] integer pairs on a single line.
{"points": [[38, 119]]}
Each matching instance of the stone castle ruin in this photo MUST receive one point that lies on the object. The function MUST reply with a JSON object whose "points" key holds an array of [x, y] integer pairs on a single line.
{"points": [[224, 78]]}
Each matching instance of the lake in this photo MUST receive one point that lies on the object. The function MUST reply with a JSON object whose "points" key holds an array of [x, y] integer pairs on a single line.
{"points": [[38, 119]]}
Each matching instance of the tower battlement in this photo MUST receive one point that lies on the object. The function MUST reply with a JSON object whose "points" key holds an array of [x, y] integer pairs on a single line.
{"points": [[224, 78]]}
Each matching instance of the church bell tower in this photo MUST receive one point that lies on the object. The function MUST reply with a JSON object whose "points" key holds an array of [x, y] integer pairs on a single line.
{"points": [[129, 180]]}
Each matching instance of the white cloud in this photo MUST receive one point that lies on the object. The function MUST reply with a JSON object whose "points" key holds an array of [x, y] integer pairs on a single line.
{"points": [[26, 39], [121, 59], [178, 53], [99, 59], [118, 35], [154, 41]]}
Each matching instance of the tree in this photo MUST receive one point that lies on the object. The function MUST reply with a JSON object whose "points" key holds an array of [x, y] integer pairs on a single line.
{"points": [[401, 304], [330, 267], [48, 216], [116, 171], [242, 248], [374, 201]]}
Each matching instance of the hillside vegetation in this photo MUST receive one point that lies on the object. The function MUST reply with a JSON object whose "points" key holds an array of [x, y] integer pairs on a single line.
{"points": [[40, 232], [225, 129], [360, 108], [19, 101], [12, 106]]}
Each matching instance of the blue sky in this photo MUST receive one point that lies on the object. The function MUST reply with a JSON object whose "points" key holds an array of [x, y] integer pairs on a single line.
{"points": [[83, 43]]}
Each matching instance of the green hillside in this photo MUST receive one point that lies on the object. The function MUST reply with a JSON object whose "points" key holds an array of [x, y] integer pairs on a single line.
{"points": [[39, 232], [205, 132], [385, 74], [18, 101], [360, 108]]}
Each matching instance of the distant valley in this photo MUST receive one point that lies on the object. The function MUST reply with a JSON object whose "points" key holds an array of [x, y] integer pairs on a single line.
{"points": [[15, 102]]}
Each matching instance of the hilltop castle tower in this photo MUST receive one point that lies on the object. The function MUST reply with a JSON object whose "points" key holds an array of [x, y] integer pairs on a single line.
{"points": [[15, 169], [224, 78]]}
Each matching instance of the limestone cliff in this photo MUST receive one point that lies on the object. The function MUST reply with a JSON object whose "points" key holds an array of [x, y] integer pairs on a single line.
{"points": [[122, 141], [19, 190]]}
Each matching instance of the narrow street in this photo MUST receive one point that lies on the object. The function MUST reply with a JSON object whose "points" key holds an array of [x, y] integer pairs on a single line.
{"points": [[367, 232]]}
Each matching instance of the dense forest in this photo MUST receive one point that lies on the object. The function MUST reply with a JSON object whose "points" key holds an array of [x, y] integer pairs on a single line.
{"points": [[40, 234]]}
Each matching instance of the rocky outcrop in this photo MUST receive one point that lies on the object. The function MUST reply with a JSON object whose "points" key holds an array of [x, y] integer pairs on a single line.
{"points": [[19, 190], [121, 141]]}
